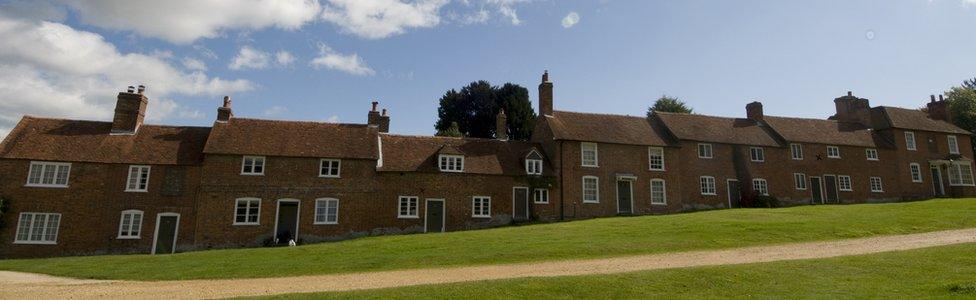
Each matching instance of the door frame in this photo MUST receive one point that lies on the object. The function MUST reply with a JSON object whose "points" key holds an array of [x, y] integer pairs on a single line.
{"points": [[528, 201], [443, 213], [616, 189], [823, 193], [836, 188], [728, 191], [941, 184], [176, 233], [298, 216]]}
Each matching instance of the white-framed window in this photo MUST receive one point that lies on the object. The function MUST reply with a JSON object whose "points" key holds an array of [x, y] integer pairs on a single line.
{"points": [[533, 166], [540, 196], [844, 183], [961, 174], [589, 155], [330, 168], [800, 181], [481, 207], [247, 211], [707, 184], [48, 174], [796, 151], [138, 179], [760, 186], [871, 154], [659, 193], [591, 189], [916, 171], [252, 165], [953, 144], [876, 185], [130, 225], [705, 151], [833, 152], [38, 228], [757, 154], [910, 141], [407, 208], [326, 211], [655, 157], [451, 163]]}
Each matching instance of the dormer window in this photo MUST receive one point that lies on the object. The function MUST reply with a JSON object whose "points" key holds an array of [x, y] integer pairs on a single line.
{"points": [[533, 163], [451, 163]]}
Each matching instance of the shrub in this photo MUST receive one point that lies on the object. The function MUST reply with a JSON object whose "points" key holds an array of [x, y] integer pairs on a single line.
{"points": [[753, 199]]}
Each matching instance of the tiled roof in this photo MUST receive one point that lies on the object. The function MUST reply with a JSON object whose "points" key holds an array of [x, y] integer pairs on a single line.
{"points": [[917, 120], [89, 141], [716, 129], [823, 131], [481, 156], [616, 129], [241, 136]]}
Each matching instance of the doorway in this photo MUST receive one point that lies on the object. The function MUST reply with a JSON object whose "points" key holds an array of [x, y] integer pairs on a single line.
{"points": [[434, 217], [625, 197], [735, 193], [830, 184], [167, 230], [937, 186], [520, 204], [286, 221], [817, 188]]}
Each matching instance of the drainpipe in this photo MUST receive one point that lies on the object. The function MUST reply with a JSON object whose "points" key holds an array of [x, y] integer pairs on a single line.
{"points": [[562, 186]]}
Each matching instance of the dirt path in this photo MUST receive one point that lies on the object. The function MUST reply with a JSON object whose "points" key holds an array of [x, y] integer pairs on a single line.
{"points": [[22, 285]]}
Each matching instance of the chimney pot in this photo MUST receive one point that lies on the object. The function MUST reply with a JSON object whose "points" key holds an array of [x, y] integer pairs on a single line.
{"points": [[375, 104], [130, 89], [227, 101], [142, 89], [850, 94], [941, 98], [384, 112], [931, 98]]}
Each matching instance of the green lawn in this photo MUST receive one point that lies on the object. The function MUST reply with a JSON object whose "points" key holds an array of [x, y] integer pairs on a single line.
{"points": [[571, 240], [941, 272]]}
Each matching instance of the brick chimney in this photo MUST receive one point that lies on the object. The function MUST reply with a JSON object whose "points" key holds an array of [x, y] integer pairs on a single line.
{"points": [[939, 110], [501, 125], [754, 111], [379, 120], [852, 109], [224, 113], [545, 95], [130, 110]]}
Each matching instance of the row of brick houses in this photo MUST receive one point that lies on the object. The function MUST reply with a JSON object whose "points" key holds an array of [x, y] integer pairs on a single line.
{"points": [[88, 187]]}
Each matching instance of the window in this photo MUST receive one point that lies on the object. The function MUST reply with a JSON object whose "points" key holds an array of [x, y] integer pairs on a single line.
{"points": [[844, 183], [589, 152], [130, 226], [138, 179], [247, 212], [330, 168], [758, 155], [253, 165], [876, 185], [871, 154], [591, 189], [833, 152], [655, 156], [705, 151], [451, 163], [658, 192], [760, 186], [326, 211], [533, 166], [48, 174], [408, 208], [796, 151], [707, 185], [38, 228], [540, 196], [961, 173], [481, 207], [953, 144], [916, 171], [800, 181], [910, 140]]}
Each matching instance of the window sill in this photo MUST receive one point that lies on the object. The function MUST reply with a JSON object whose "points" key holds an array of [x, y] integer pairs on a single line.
{"points": [[46, 186], [657, 170], [591, 202], [481, 217], [845, 190], [34, 243], [709, 194], [962, 184], [593, 166], [540, 203], [128, 238], [799, 189], [247, 224], [136, 191], [701, 157], [660, 204], [252, 174], [869, 159], [329, 176], [758, 161], [833, 157], [325, 223], [877, 192], [408, 217]]}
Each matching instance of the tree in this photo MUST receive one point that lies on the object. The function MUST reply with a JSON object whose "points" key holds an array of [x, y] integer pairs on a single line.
{"points": [[669, 104], [962, 106], [453, 131], [969, 84], [474, 108]]}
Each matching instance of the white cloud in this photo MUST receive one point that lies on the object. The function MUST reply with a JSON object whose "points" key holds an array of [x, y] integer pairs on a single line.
{"points": [[275, 110], [969, 2], [183, 21], [194, 64], [571, 19], [349, 63], [377, 19], [479, 17], [250, 58], [284, 58], [507, 9], [333, 119]]}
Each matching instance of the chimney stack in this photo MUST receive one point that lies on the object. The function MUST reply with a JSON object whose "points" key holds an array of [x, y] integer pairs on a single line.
{"points": [[939, 110], [754, 111], [224, 113], [545, 95], [852, 109], [379, 120], [501, 125], [130, 110]]}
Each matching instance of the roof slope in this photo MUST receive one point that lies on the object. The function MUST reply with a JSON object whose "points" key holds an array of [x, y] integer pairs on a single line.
{"points": [[918, 120], [292, 139], [615, 129], [89, 141], [481, 156], [716, 129], [823, 131]]}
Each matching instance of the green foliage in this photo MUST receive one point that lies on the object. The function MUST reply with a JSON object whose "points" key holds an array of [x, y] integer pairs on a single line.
{"points": [[669, 104], [452, 131], [962, 105], [969, 84], [475, 107], [4, 205]]}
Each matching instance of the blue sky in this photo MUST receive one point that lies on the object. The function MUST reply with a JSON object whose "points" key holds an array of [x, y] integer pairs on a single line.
{"points": [[69, 59]]}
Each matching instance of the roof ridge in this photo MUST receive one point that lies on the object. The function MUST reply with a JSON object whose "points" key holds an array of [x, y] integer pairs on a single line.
{"points": [[454, 138], [300, 121], [599, 114], [699, 115]]}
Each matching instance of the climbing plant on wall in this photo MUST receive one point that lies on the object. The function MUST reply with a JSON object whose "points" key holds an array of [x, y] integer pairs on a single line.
{"points": [[3, 209]]}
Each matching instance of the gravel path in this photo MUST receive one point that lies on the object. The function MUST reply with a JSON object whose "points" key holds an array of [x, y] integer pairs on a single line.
{"points": [[32, 286]]}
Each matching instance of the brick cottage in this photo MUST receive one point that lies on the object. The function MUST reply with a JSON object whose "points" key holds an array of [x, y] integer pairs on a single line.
{"points": [[87, 187]]}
